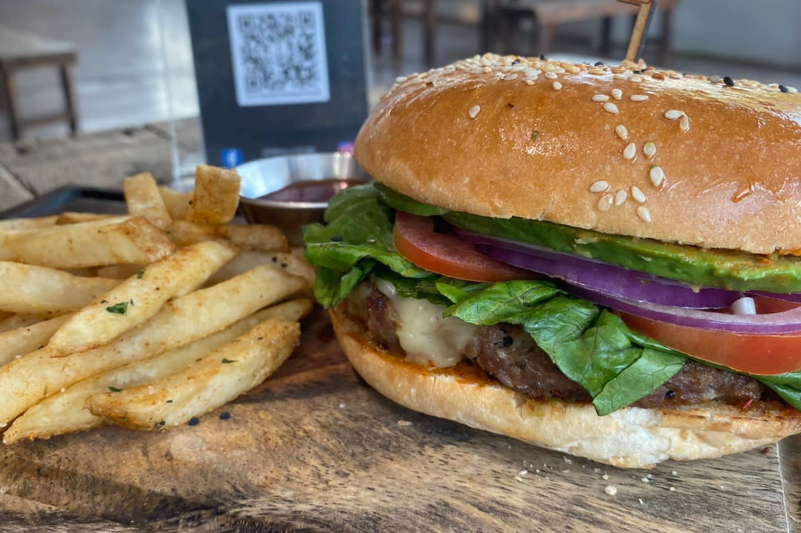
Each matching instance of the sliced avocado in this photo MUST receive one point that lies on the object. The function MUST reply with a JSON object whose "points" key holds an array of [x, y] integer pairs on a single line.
{"points": [[727, 269]]}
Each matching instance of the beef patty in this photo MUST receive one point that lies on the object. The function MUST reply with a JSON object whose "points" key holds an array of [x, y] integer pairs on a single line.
{"points": [[511, 356]]}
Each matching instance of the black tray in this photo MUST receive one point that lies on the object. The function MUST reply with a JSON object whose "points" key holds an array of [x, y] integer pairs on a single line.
{"points": [[70, 198]]}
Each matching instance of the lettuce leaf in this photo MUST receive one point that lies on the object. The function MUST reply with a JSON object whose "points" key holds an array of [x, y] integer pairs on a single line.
{"points": [[591, 346]]}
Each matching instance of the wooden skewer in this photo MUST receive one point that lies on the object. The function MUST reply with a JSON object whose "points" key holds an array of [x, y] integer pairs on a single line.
{"points": [[645, 15]]}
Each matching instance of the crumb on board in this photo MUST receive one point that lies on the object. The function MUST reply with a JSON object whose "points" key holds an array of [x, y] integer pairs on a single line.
{"points": [[610, 490], [404, 423]]}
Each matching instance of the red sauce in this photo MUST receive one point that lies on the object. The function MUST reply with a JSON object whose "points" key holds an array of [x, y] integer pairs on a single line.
{"points": [[312, 190]]}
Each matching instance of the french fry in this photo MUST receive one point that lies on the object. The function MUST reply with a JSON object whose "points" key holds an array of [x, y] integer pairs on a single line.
{"points": [[142, 198], [140, 297], [28, 338], [35, 290], [212, 381], [71, 217], [177, 203], [16, 224], [216, 195], [119, 271], [246, 260], [25, 382], [87, 244], [254, 237], [18, 321], [64, 412]]}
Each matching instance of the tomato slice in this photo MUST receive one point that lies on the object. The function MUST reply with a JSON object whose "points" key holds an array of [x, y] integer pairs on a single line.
{"points": [[447, 254], [752, 354]]}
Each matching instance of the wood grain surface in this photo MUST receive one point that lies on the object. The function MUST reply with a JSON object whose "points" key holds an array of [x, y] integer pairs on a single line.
{"points": [[315, 449]]}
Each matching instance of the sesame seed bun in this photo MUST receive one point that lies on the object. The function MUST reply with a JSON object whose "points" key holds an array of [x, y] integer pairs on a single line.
{"points": [[492, 137], [630, 438]]}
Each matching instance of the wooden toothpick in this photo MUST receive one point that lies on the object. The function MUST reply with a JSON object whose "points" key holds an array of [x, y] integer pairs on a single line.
{"points": [[647, 8]]}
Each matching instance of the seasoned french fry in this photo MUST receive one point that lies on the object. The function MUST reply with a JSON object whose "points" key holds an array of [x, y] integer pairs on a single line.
{"points": [[140, 297], [35, 290], [212, 381], [216, 195], [64, 412], [18, 321], [247, 260], [28, 338], [119, 271], [71, 217], [87, 244], [25, 382], [16, 224], [142, 198], [255, 237], [177, 203]]}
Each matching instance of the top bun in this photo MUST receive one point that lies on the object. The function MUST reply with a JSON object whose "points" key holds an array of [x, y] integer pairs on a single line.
{"points": [[547, 140]]}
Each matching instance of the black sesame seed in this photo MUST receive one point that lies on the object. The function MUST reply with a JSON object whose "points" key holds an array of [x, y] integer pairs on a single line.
{"points": [[638, 72], [194, 421], [784, 89], [225, 416], [510, 105], [337, 238], [728, 81], [670, 394], [542, 57], [275, 259], [599, 63], [516, 61], [169, 401]]}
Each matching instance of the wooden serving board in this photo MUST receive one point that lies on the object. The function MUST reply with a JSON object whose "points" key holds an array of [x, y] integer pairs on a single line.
{"points": [[315, 449]]}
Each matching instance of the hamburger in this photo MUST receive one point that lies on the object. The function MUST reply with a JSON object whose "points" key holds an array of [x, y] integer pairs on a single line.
{"points": [[601, 260]]}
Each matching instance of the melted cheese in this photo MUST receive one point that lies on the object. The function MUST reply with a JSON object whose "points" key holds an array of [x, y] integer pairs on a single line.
{"points": [[427, 337]]}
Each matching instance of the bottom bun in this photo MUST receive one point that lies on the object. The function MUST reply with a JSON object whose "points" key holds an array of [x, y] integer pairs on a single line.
{"points": [[630, 438]]}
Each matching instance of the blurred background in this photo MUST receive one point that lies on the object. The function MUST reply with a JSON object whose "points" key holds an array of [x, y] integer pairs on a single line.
{"points": [[128, 63]]}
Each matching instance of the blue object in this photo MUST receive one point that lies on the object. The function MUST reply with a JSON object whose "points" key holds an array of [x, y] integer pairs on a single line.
{"points": [[230, 157]]}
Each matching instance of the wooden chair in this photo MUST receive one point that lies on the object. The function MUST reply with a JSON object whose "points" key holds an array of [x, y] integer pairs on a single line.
{"points": [[547, 14], [20, 50], [377, 9]]}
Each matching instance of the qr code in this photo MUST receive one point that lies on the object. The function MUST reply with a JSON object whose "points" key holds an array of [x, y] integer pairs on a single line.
{"points": [[278, 53]]}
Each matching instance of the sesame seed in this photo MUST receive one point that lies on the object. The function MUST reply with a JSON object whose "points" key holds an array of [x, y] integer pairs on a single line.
{"points": [[600, 98], [649, 150], [620, 197], [792, 90], [619, 77], [637, 194], [551, 75], [639, 97], [529, 82], [599, 186], [728, 81], [673, 114], [404, 423], [617, 94], [611, 108], [610, 490], [636, 79], [714, 79], [605, 203], [474, 111], [510, 77], [401, 79], [559, 70], [596, 71], [557, 86], [657, 176], [783, 89], [630, 151], [684, 124], [644, 214], [622, 132]]}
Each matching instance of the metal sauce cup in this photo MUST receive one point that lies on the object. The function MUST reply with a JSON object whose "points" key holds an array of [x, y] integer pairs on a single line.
{"points": [[265, 176]]}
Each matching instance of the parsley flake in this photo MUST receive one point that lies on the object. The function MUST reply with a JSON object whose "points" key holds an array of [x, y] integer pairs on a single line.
{"points": [[140, 274], [227, 361], [114, 389], [535, 136], [120, 308]]}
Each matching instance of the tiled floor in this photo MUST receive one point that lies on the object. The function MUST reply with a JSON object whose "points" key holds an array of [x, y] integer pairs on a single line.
{"points": [[131, 73]]}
